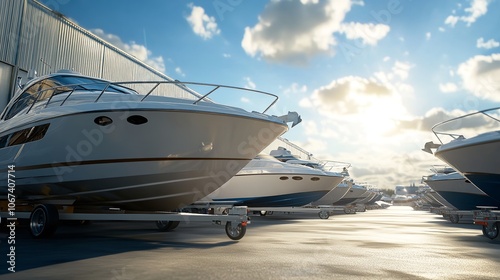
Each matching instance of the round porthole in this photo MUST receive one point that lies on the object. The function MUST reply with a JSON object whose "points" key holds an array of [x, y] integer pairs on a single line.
{"points": [[137, 120], [283, 178], [315, 179], [103, 121], [298, 178]]}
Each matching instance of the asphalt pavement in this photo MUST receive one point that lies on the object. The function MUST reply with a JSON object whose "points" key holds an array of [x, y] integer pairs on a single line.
{"points": [[393, 243]]}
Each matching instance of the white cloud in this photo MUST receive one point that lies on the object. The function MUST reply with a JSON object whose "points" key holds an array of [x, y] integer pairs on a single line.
{"points": [[477, 9], [401, 69], [226, 55], [448, 87], [244, 100], [295, 88], [249, 83], [202, 24], [467, 126], [428, 36], [179, 71], [132, 48], [369, 33], [294, 32], [371, 105], [491, 43], [481, 76], [451, 20]]}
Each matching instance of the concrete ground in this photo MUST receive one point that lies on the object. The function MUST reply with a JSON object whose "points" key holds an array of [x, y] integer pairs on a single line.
{"points": [[393, 243]]}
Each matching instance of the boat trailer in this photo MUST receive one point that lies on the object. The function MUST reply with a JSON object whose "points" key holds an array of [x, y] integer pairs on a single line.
{"points": [[323, 211], [44, 217], [489, 219]]}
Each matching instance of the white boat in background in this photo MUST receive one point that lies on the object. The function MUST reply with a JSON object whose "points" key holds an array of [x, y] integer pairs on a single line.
{"points": [[355, 193], [478, 157], [336, 194], [457, 190], [77, 140], [327, 166], [437, 200], [268, 182]]}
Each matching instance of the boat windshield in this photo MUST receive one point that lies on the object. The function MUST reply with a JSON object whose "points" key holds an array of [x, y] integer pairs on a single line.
{"points": [[46, 88]]}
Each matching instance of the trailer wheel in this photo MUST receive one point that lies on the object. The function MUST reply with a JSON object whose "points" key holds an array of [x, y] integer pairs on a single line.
{"points": [[43, 220], [167, 225], [347, 210], [454, 218], [323, 215], [491, 232], [235, 232], [263, 213], [174, 225]]}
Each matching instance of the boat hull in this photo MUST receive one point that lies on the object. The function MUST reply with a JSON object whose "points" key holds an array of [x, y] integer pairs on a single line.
{"points": [[460, 193], [477, 160], [334, 195], [172, 160], [351, 196], [273, 190]]}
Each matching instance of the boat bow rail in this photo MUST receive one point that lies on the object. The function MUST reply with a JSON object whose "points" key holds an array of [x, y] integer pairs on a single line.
{"points": [[148, 88], [487, 118]]}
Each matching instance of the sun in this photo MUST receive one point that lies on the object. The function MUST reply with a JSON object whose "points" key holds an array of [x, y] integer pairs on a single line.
{"points": [[379, 119]]}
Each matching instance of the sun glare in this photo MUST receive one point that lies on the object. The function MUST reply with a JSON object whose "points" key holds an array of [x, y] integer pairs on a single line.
{"points": [[379, 119]]}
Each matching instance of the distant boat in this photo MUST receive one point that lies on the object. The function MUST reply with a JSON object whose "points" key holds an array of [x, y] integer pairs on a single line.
{"points": [[338, 192], [77, 140], [458, 191], [267, 182]]}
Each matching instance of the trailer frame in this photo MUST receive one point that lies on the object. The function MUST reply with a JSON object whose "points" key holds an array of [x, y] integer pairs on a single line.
{"points": [[489, 219], [44, 217]]}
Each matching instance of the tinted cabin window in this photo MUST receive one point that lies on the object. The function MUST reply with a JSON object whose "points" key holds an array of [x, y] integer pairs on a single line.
{"points": [[44, 89]]}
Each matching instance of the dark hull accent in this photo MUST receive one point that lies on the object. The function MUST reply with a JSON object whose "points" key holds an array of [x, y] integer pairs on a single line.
{"points": [[467, 201], [289, 200], [488, 183]]}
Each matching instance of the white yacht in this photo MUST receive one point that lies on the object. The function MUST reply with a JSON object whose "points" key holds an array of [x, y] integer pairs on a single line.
{"points": [[477, 157], [356, 193], [457, 190], [327, 166], [268, 182], [77, 140]]}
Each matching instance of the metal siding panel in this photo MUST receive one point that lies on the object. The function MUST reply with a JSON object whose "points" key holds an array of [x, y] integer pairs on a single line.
{"points": [[64, 45], [10, 20], [77, 51], [38, 38]]}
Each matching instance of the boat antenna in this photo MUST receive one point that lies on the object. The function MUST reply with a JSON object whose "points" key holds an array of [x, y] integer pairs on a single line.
{"points": [[46, 64], [19, 81]]}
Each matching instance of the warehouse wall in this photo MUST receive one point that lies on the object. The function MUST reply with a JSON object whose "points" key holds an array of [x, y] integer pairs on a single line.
{"points": [[34, 37]]}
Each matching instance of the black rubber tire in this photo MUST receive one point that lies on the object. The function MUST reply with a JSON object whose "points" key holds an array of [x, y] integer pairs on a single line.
{"points": [[493, 232], [237, 232], [323, 215], [44, 220], [167, 225], [454, 218]]}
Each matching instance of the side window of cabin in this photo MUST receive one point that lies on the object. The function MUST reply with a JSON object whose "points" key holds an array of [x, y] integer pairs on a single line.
{"points": [[38, 92], [24, 100]]}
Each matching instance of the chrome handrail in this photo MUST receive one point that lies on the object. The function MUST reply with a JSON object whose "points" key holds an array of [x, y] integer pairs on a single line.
{"points": [[203, 97], [333, 164], [458, 136], [73, 87]]}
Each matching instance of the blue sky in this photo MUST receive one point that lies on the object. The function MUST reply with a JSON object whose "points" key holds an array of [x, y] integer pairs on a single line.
{"points": [[368, 77]]}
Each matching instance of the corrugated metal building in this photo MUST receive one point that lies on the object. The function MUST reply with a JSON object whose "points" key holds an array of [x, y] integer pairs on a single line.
{"points": [[32, 36]]}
